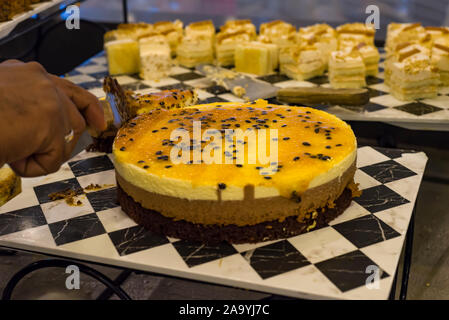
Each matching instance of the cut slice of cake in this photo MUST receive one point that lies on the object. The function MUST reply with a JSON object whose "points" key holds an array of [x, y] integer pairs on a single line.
{"points": [[10, 184], [398, 33], [155, 57], [205, 29], [277, 32], [371, 57], [256, 57], [413, 77], [122, 56], [322, 36], [401, 52], [172, 31], [194, 50], [128, 104], [440, 61], [225, 45], [356, 32], [128, 31], [347, 69], [301, 63], [245, 25]]}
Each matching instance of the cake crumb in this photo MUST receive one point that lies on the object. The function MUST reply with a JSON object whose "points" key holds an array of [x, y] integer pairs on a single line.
{"points": [[239, 91], [92, 186], [68, 195]]}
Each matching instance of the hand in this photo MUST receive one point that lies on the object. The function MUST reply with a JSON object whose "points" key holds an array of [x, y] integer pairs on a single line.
{"points": [[37, 110]]}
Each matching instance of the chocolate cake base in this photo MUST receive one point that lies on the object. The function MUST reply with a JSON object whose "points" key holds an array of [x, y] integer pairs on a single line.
{"points": [[213, 234], [101, 144]]}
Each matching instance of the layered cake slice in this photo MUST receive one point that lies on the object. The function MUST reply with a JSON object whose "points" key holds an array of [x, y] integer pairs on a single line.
{"points": [[322, 36], [398, 33], [401, 52], [371, 57], [245, 25], [204, 29], [180, 176], [356, 32], [347, 69], [277, 32], [413, 77], [440, 61], [225, 46], [256, 57], [194, 50], [172, 31], [301, 63]]}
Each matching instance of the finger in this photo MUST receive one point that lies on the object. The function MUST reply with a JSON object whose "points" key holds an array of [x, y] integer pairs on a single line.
{"points": [[86, 102], [54, 150], [39, 164], [11, 62], [75, 121]]}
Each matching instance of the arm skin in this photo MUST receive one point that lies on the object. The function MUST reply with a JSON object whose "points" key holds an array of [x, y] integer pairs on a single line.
{"points": [[37, 110]]}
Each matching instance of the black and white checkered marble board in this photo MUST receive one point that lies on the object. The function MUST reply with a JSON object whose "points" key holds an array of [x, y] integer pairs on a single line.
{"points": [[330, 262], [427, 114]]}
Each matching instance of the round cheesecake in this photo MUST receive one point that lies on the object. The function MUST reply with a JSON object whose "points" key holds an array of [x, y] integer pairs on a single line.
{"points": [[291, 171]]}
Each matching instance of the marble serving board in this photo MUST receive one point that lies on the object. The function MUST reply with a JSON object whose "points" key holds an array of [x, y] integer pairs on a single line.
{"points": [[428, 114], [330, 262]]}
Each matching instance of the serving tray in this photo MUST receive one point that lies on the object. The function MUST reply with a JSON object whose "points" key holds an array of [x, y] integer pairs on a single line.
{"points": [[333, 262], [427, 114]]}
